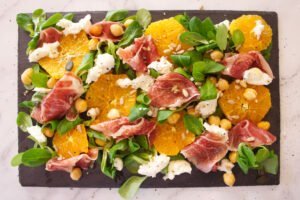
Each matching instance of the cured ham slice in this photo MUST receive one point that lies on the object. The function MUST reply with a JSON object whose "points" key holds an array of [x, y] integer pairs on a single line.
{"points": [[206, 151], [247, 132], [140, 54], [106, 33], [122, 128], [84, 161], [58, 102], [49, 35], [172, 90], [237, 64]]}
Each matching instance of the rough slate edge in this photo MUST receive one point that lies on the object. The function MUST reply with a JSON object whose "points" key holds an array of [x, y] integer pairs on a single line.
{"points": [[40, 177]]}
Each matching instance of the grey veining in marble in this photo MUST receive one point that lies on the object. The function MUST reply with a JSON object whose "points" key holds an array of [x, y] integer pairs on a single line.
{"points": [[289, 40]]}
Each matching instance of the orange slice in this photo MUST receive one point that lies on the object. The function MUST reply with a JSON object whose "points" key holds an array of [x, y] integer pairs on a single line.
{"points": [[72, 48], [170, 139], [246, 23], [105, 94], [165, 34], [72, 143], [237, 108]]}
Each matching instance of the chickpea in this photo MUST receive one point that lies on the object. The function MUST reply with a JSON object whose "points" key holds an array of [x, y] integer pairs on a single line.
{"points": [[99, 142], [128, 22], [223, 84], [51, 82], [116, 30], [96, 30], [192, 111], [93, 44], [26, 76], [233, 156], [76, 174], [216, 55], [250, 94], [48, 132], [226, 124], [113, 114], [214, 120], [264, 125], [80, 105], [229, 179], [213, 79], [173, 119]]}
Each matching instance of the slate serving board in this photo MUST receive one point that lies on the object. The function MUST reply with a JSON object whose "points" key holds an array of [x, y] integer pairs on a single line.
{"points": [[94, 178]]}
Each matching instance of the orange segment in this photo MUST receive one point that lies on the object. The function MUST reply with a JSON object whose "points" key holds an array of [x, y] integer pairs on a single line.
{"points": [[237, 108], [170, 139], [105, 94], [72, 47], [165, 33], [72, 143], [246, 23]]}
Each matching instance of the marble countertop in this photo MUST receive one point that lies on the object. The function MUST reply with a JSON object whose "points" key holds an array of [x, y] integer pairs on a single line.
{"points": [[288, 12]]}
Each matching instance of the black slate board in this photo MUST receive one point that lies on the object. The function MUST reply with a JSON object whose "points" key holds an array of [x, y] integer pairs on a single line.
{"points": [[93, 178]]}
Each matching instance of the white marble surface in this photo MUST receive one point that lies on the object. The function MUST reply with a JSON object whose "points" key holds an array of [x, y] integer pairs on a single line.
{"points": [[290, 95]]}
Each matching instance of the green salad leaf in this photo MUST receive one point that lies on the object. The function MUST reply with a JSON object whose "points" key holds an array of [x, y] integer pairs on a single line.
{"points": [[143, 99], [183, 72], [154, 73], [163, 115], [267, 52], [69, 16], [38, 17], [183, 19], [192, 38], [106, 166], [116, 15], [222, 36], [52, 20], [25, 22], [138, 111], [86, 63], [142, 140], [133, 146], [24, 121], [132, 163], [199, 71], [238, 37], [120, 146], [193, 124], [134, 30], [39, 79], [207, 29], [208, 91], [204, 48], [143, 17], [35, 157], [270, 165], [27, 104], [195, 25], [131, 186], [65, 125], [181, 60], [17, 160]]}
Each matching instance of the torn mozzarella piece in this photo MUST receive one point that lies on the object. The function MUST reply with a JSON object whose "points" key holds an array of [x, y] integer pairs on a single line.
{"points": [[177, 167], [75, 27], [258, 29], [255, 76], [226, 166], [143, 81], [156, 164], [36, 133], [103, 64], [42, 90], [206, 108], [163, 66], [225, 22], [48, 49], [215, 129]]}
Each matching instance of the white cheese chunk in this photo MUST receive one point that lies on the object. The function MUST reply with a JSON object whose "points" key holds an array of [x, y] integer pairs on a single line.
{"points": [[113, 114], [215, 129], [36, 133], [255, 76], [156, 164], [177, 167], [226, 166], [143, 81], [42, 90], [163, 66], [48, 49], [75, 27], [225, 22], [206, 108], [93, 112], [103, 64], [118, 164], [258, 29]]}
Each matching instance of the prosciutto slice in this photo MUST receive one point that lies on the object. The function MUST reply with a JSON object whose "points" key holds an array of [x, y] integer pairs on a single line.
{"points": [[106, 33], [84, 161], [49, 35], [172, 90], [122, 128], [247, 132], [58, 102], [237, 64], [140, 54], [206, 151]]}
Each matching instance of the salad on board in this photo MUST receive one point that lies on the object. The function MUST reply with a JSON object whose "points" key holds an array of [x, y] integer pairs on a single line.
{"points": [[150, 97]]}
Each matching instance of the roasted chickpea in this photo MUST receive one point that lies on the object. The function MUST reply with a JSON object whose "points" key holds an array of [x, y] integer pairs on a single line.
{"points": [[26, 76], [214, 120], [76, 174], [250, 94], [116, 30], [48, 132], [51, 82], [80, 105], [233, 156], [226, 124], [223, 84], [93, 44], [264, 125], [229, 179], [216, 55], [96, 30]]}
